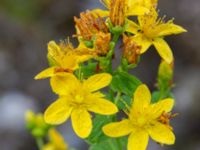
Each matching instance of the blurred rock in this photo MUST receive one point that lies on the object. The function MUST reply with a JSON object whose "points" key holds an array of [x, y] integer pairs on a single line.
{"points": [[13, 106]]}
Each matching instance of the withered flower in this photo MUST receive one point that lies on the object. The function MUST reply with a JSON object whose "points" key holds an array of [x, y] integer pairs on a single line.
{"points": [[89, 24], [131, 50], [102, 43], [118, 12]]}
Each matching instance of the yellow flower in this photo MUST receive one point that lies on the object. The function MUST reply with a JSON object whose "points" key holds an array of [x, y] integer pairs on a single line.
{"points": [[119, 9], [147, 3], [151, 30], [56, 141], [65, 59], [144, 120], [76, 99]]}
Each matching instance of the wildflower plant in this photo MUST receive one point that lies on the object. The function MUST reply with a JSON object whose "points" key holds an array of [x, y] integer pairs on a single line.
{"points": [[125, 114]]}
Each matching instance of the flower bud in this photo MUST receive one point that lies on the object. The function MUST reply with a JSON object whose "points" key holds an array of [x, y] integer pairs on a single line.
{"points": [[165, 71], [29, 118], [35, 123], [38, 132]]}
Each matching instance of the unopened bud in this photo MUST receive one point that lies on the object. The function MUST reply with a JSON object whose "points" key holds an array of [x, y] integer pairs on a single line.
{"points": [[165, 71]]}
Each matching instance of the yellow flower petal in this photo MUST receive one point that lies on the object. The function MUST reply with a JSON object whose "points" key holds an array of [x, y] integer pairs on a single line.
{"points": [[49, 72], [54, 51], [168, 29], [48, 146], [137, 10], [132, 27], [53, 47], [106, 3], [81, 45], [84, 58], [81, 122], [141, 99], [62, 85], [161, 133], [163, 49], [57, 140], [102, 106], [148, 19], [97, 81], [58, 112], [158, 108], [150, 3], [138, 140], [143, 42], [117, 129], [70, 61], [100, 12]]}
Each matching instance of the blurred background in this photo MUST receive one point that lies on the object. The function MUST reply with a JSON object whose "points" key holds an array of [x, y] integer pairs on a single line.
{"points": [[27, 25]]}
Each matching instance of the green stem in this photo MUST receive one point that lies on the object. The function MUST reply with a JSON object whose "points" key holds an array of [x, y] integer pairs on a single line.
{"points": [[111, 93], [111, 52], [114, 41], [115, 38], [126, 105], [40, 143], [117, 97]]}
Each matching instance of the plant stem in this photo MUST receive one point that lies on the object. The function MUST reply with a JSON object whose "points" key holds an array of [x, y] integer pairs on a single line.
{"points": [[111, 93], [111, 52], [117, 97], [40, 143], [126, 105]]}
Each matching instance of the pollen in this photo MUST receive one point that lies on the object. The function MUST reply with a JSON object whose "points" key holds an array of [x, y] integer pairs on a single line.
{"points": [[165, 118], [59, 69]]}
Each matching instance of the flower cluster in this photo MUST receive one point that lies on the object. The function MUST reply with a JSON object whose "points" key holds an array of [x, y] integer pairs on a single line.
{"points": [[77, 73]]}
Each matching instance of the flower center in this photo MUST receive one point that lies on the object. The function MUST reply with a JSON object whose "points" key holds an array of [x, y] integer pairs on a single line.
{"points": [[79, 98], [165, 118], [141, 121], [60, 69]]}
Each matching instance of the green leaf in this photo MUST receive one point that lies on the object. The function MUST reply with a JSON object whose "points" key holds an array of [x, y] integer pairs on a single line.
{"points": [[110, 144], [155, 96], [159, 95], [125, 101], [125, 83], [97, 134], [89, 69]]}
